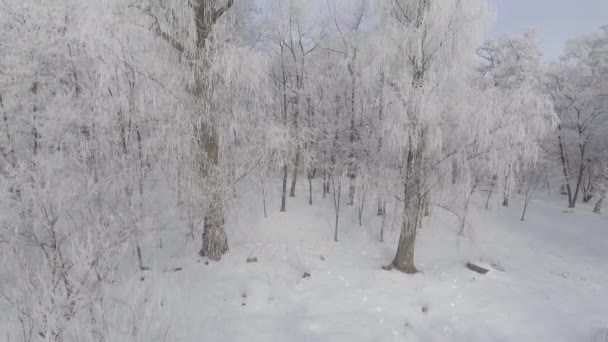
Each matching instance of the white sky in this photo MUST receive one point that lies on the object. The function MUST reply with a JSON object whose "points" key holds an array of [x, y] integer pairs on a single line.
{"points": [[557, 20]]}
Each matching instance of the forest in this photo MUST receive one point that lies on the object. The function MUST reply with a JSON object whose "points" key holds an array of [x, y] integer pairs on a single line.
{"points": [[166, 166]]}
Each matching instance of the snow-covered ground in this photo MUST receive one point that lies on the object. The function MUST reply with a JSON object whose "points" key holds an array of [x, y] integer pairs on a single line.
{"points": [[549, 278]]}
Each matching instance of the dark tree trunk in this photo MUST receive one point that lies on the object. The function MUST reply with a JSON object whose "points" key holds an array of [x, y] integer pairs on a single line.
{"points": [[404, 259], [284, 189], [564, 160], [264, 198], [337, 199], [579, 183], [361, 207], [383, 224], [523, 214], [336, 228], [507, 189], [324, 183], [292, 191], [351, 190], [598, 205], [413, 199], [310, 189]]}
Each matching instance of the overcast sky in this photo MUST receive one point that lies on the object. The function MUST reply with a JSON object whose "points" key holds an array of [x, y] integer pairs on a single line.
{"points": [[558, 20]]}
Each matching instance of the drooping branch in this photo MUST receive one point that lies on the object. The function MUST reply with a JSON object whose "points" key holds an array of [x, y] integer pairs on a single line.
{"points": [[220, 11]]}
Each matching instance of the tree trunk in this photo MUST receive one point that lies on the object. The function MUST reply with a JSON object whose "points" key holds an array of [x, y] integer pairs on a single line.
{"points": [[413, 199], [463, 220], [324, 183], [404, 259], [351, 190], [336, 228], [507, 189], [337, 194], [361, 207], [292, 191], [427, 204], [207, 139], [215, 241], [598, 206], [264, 197], [523, 214], [579, 182], [564, 159], [492, 185], [284, 189], [310, 189], [383, 224]]}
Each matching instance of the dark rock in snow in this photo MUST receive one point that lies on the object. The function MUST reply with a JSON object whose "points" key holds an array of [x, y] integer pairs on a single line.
{"points": [[250, 260], [306, 275], [477, 268]]}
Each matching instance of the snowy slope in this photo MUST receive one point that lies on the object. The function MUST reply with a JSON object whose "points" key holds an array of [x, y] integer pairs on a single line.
{"points": [[549, 281]]}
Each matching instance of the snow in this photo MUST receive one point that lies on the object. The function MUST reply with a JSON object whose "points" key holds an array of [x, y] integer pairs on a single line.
{"points": [[548, 279]]}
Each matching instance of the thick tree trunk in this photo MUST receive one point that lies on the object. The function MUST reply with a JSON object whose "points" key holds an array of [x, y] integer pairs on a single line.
{"points": [[404, 259], [215, 241], [207, 139], [292, 191], [413, 202]]}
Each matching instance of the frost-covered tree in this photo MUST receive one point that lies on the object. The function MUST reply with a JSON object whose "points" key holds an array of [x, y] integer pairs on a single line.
{"points": [[427, 45], [209, 58], [578, 87]]}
